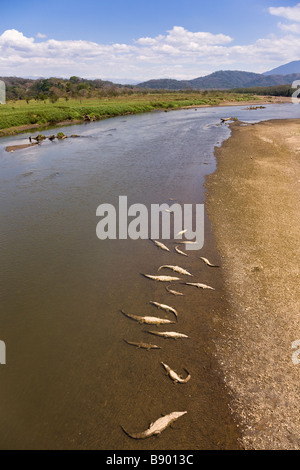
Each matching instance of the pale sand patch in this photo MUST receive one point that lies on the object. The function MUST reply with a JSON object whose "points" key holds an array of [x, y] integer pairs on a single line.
{"points": [[253, 204]]}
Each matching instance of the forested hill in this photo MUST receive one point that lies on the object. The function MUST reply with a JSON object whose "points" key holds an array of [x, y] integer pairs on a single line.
{"points": [[223, 80], [55, 88], [78, 88]]}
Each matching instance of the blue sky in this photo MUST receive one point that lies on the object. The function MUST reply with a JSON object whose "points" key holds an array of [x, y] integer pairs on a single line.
{"points": [[142, 40]]}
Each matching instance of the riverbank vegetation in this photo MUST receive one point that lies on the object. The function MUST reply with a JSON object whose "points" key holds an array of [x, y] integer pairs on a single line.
{"points": [[47, 102], [280, 90], [39, 112]]}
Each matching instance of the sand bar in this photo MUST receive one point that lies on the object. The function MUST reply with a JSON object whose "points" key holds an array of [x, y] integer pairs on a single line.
{"points": [[253, 203]]}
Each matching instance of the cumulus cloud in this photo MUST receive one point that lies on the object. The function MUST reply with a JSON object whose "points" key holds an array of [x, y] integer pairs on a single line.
{"points": [[178, 46], [14, 40], [290, 13], [178, 54], [181, 38], [291, 27], [41, 36]]}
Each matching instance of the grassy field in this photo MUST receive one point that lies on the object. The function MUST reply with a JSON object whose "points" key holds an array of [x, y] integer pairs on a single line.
{"points": [[19, 113]]}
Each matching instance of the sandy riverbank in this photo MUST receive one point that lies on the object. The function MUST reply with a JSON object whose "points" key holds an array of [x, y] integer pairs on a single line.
{"points": [[253, 203]]}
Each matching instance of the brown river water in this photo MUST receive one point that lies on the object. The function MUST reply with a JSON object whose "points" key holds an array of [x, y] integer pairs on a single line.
{"points": [[70, 380]]}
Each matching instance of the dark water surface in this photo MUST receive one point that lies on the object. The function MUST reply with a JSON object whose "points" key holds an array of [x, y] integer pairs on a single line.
{"points": [[70, 380]]}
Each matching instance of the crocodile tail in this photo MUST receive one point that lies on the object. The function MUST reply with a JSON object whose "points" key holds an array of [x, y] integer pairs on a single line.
{"points": [[141, 435], [126, 314], [188, 377]]}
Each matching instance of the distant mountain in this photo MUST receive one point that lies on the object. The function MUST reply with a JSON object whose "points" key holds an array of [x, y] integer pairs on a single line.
{"points": [[123, 81], [291, 67], [222, 80], [166, 84], [228, 79]]}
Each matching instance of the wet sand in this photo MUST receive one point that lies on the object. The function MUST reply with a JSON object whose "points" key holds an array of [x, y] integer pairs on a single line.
{"points": [[253, 204]]}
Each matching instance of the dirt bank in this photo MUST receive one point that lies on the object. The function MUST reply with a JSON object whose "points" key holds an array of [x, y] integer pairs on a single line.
{"points": [[253, 203]]}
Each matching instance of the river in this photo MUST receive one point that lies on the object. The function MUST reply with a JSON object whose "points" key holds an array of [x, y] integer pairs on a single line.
{"points": [[70, 380]]}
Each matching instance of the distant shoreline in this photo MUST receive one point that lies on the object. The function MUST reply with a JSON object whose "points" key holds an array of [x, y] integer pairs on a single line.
{"points": [[264, 101], [259, 100]]}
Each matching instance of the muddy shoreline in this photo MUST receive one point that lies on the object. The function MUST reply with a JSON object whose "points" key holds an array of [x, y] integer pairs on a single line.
{"points": [[253, 200]]}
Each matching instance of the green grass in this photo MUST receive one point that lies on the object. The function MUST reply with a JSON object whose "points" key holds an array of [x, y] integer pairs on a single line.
{"points": [[19, 113]]}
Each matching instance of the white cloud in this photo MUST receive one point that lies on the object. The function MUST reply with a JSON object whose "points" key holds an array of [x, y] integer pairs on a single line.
{"points": [[179, 53], [290, 13], [13, 39], [292, 27], [181, 38], [41, 36]]}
